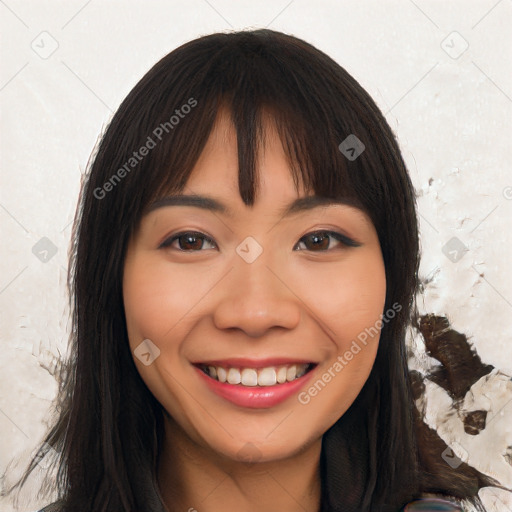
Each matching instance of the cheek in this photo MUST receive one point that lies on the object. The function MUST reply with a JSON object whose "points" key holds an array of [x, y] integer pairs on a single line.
{"points": [[156, 299], [347, 298], [156, 303], [349, 302], [139, 301]]}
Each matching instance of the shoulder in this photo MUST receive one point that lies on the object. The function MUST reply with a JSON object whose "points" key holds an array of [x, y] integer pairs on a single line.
{"points": [[440, 504]]}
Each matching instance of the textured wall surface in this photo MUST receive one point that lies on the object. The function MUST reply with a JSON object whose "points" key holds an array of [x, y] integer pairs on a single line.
{"points": [[441, 73]]}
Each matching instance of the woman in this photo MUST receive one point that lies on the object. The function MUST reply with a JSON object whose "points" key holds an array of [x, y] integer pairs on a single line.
{"points": [[243, 274]]}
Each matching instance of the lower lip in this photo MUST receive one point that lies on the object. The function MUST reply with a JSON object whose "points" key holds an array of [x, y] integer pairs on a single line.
{"points": [[255, 397]]}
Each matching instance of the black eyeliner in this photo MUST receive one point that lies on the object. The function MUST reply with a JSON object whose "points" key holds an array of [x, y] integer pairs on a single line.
{"points": [[344, 239]]}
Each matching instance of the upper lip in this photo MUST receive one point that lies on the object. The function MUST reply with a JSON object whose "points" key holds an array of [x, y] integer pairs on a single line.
{"points": [[244, 362]]}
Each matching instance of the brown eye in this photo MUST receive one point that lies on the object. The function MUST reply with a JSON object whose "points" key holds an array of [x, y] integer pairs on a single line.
{"points": [[189, 241], [320, 241]]}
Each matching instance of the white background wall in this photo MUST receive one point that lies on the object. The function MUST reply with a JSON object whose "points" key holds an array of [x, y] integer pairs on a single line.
{"points": [[449, 105]]}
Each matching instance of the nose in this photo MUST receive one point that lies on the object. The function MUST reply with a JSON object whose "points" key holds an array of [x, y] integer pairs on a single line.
{"points": [[256, 298]]}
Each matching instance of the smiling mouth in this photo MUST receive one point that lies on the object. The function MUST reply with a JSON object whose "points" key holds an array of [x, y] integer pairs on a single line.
{"points": [[257, 377]]}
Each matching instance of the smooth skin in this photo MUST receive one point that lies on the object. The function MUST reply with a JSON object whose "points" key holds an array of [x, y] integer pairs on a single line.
{"points": [[198, 300]]}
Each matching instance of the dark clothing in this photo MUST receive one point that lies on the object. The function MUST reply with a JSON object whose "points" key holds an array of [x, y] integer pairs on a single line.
{"points": [[422, 505]]}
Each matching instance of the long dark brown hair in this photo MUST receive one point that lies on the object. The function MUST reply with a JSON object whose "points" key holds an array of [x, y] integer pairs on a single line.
{"points": [[379, 455]]}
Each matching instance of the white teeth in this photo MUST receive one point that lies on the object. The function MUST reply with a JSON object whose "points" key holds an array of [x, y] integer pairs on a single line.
{"points": [[251, 377], [221, 374], [267, 377], [234, 376], [281, 374], [300, 371]]}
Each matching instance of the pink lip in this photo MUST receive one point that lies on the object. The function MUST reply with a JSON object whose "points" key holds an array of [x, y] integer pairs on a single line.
{"points": [[244, 362], [254, 397]]}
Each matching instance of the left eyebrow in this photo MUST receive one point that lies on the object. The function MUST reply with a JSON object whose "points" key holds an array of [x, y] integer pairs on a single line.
{"points": [[214, 205]]}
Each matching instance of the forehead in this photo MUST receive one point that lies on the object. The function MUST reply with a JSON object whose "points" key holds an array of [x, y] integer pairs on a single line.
{"points": [[213, 183], [217, 167]]}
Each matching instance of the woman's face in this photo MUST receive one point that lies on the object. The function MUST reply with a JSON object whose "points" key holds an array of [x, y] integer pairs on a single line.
{"points": [[253, 295]]}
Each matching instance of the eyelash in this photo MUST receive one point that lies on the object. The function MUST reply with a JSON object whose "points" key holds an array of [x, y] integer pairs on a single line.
{"points": [[344, 240]]}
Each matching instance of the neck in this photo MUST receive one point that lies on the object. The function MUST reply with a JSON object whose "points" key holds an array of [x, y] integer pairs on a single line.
{"points": [[192, 478]]}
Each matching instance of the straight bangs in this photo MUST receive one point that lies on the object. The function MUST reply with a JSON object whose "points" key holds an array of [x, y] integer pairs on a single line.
{"points": [[253, 81]]}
